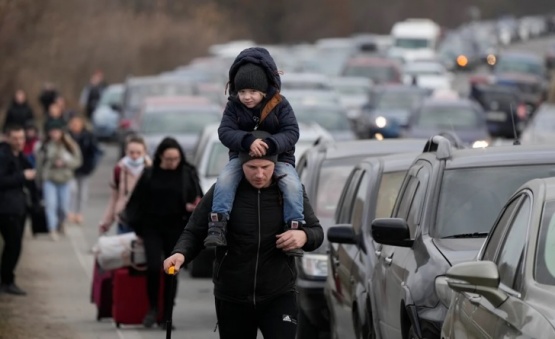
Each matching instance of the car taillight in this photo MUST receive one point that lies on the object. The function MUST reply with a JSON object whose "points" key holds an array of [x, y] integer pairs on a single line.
{"points": [[522, 112], [124, 123]]}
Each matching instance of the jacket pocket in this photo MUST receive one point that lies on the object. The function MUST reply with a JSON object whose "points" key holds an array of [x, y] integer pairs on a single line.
{"points": [[220, 265]]}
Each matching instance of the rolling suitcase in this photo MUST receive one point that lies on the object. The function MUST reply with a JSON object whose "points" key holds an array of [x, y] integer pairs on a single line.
{"points": [[38, 220], [101, 292], [130, 301]]}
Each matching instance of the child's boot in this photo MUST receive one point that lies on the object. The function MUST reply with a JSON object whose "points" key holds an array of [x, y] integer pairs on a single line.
{"points": [[217, 229], [294, 225]]}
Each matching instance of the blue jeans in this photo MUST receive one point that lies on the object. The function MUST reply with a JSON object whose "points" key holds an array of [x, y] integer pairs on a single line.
{"points": [[289, 184], [56, 203], [122, 229]]}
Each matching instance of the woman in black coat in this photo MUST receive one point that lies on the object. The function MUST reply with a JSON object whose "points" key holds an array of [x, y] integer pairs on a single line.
{"points": [[158, 210], [19, 112]]}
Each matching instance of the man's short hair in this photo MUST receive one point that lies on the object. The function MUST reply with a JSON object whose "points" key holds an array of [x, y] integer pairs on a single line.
{"points": [[13, 128]]}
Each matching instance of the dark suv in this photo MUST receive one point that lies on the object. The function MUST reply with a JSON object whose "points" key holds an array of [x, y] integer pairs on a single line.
{"points": [[323, 171], [370, 192], [446, 206]]}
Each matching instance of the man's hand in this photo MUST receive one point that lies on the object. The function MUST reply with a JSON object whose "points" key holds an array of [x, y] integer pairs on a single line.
{"points": [[190, 206], [103, 227], [29, 174], [175, 260], [258, 148], [291, 240]]}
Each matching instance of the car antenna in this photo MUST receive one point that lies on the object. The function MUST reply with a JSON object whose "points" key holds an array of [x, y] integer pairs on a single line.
{"points": [[516, 142]]}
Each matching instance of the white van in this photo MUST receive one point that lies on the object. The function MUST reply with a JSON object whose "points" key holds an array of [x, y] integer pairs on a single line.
{"points": [[414, 39]]}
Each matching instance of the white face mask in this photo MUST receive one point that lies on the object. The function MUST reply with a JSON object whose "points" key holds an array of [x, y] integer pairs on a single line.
{"points": [[135, 163]]}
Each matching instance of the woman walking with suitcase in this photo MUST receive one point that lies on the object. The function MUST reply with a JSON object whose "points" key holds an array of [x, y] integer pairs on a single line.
{"points": [[158, 210]]}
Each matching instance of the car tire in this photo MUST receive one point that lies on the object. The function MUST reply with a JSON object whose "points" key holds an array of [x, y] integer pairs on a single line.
{"points": [[305, 330]]}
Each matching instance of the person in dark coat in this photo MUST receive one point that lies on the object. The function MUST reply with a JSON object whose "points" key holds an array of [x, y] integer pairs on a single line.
{"points": [[19, 113], [255, 104], [15, 174], [90, 151], [158, 210], [254, 278], [91, 94], [47, 96]]}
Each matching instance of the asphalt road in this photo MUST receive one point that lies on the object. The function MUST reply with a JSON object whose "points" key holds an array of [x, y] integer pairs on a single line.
{"points": [[194, 313]]}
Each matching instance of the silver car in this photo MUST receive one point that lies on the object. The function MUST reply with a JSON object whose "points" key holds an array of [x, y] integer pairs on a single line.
{"points": [[510, 291]]}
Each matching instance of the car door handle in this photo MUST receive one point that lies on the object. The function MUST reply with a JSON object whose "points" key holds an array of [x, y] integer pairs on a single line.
{"points": [[388, 260]]}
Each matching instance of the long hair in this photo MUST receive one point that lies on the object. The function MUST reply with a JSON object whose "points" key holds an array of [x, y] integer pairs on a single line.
{"points": [[165, 144]]}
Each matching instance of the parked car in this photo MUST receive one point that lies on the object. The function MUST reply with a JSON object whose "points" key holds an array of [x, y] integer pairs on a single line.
{"points": [[353, 93], [369, 193], [305, 81], [446, 207], [505, 110], [312, 97], [541, 129], [323, 171], [532, 89], [508, 292], [458, 53], [460, 116], [430, 75], [526, 63], [180, 117], [106, 116], [389, 110], [136, 90], [333, 118]]}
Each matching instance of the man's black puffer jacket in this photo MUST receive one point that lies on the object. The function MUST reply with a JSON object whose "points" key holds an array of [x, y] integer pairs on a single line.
{"points": [[250, 269]]}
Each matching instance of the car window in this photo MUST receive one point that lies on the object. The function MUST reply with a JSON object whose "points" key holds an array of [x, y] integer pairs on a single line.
{"points": [[512, 250], [406, 197], [358, 203], [481, 192], [344, 211], [388, 192], [544, 272], [217, 159], [413, 217], [499, 230]]}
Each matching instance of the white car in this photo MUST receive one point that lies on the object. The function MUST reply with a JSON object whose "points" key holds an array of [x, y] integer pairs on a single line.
{"points": [[211, 155], [427, 74]]}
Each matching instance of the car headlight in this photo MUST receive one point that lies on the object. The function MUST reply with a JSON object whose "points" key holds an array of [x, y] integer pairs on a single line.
{"points": [[480, 144], [381, 122], [443, 291], [315, 265]]}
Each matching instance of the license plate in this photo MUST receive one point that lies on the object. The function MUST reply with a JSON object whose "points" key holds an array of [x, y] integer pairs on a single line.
{"points": [[497, 116]]}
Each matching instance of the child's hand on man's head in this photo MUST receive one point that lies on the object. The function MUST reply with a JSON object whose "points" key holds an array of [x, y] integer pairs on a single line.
{"points": [[258, 148]]}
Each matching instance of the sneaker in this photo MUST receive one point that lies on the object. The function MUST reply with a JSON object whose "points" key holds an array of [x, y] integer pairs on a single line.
{"points": [[294, 225], [150, 318], [12, 289], [217, 226]]}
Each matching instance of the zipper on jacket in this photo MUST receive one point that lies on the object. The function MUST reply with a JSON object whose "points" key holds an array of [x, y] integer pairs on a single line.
{"points": [[221, 264], [257, 252]]}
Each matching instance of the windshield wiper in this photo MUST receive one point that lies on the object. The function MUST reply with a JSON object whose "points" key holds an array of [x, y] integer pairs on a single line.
{"points": [[467, 235]]}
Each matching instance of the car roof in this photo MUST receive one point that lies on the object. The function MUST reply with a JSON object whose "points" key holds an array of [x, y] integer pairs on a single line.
{"points": [[303, 77], [370, 60], [548, 183], [156, 80], [338, 81], [439, 101], [349, 149], [398, 88], [502, 156], [176, 101], [393, 162]]}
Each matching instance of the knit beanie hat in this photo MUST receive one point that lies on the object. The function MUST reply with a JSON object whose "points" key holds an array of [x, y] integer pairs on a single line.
{"points": [[251, 76], [54, 124], [245, 156]]}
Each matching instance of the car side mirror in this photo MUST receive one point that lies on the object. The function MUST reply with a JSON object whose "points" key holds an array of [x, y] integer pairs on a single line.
{"points": [[480, 277], [391, 231], [342, 235]]}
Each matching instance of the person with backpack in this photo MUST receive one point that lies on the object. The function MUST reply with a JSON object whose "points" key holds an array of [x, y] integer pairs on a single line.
{"points": [[57, 159], [158, 210], [125, 175], [255, 103], [91, 154]]}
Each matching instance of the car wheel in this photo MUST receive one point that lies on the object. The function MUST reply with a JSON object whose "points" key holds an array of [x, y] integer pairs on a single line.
{"points": [[305, 330]]}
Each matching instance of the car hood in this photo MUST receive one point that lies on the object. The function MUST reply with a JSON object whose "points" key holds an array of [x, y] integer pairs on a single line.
{"points": [[459, 250]]}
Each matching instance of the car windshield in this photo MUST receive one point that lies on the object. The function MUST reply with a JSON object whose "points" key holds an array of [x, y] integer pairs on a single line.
{"points": [[333, 176], [519, 66], [378, 73], [138, 93], [411, 43], [398, 100], [448, 117], [332, 119], [545, 255], [471, 198], [111, 96], [177, 121], [217, 159]]}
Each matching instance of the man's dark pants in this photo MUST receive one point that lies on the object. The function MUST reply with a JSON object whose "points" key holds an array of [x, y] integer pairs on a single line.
{"points": [[11, 228], [276, 318]]}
